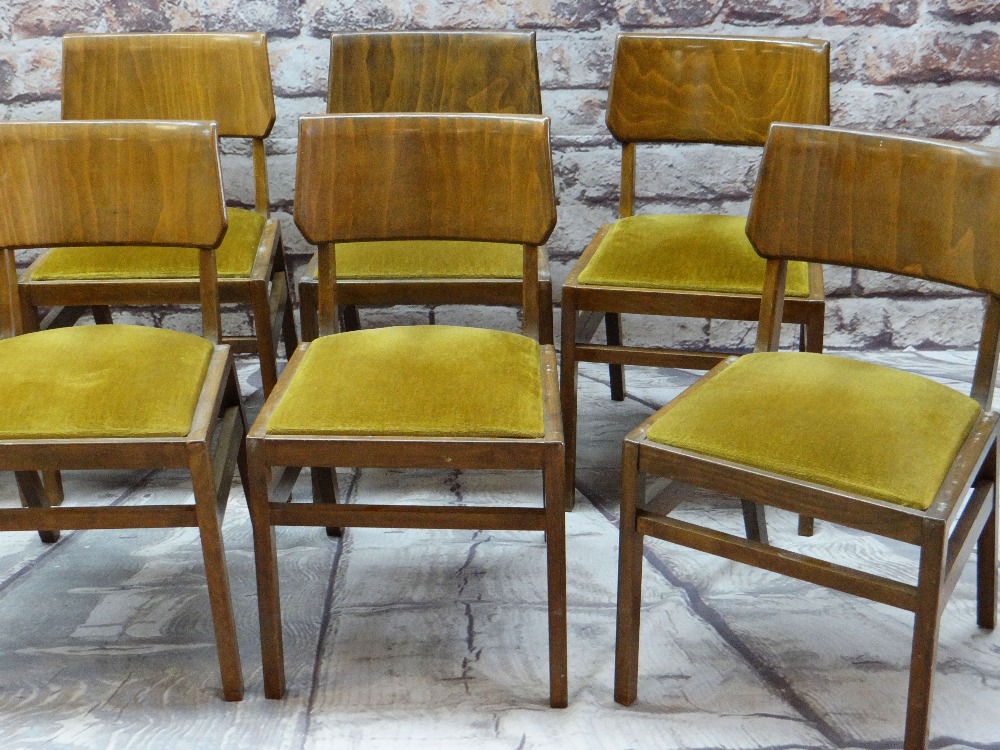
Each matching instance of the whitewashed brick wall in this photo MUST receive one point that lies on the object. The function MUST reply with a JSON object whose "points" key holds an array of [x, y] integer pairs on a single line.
{"points": [[927, 67]]}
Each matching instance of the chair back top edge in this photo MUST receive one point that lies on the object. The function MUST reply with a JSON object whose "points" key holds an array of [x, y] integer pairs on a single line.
{"points": [[715, 89], [420, 176], [170, 76], [455, 71], [919, 207], [110, 183]]}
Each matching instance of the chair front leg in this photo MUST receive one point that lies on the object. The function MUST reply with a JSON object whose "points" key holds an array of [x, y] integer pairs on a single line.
{"points": [[209, 513], [629, 580], [555, 549], [567, 393], [754, 521]]}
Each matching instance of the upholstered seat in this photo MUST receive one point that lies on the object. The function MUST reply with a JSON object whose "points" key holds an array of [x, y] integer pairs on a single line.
{"points": [[415, 380], [850, 425], [234, 257], [101, 381], [428, 259], [704, 253]]}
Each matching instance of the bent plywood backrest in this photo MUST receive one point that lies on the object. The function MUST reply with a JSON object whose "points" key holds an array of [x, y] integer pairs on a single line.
{"points": [[715, 89], [449, 177], [477, 72], [176, 76], [110, 183], [913, 206]]}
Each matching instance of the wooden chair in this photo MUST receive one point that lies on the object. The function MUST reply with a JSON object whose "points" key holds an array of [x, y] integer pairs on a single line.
{"points": [[117, 396], [414, 396], [687, 89], [796, 430], [220, 77], [473, 72]]}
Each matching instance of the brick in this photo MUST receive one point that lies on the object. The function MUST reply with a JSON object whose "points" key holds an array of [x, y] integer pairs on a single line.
{"points": [[30, 71], [876, 283], [696, 172], [583, 15], [967, 11], [299, 67], [579, 60], [771, 11], [56, 19], [284, 135], [479, 316], [575, 111], [934, 56], [146, 15], [667, 13], [276, 17], [588, 176], [364, 15], [458, 14], [894, 324], [658, 330], [872, 12], [837, 280]]}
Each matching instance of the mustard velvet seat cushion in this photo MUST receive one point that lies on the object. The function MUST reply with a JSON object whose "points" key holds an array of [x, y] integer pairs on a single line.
{"points": [[429, 259], [233, 258], [833, 421], [101, 381], [685, 252], [418, 381]]}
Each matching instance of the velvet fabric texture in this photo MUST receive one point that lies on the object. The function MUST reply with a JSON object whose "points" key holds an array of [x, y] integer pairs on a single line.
{"points": [[233, 259], [433, 381], [833, 421], [429, 259], [685, 252], [101, 381]]}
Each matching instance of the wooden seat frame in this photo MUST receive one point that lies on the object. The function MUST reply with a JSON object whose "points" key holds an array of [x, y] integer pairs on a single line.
{"points": [[647, 105], [817, 190], [179, 76], [521, 210], [75, 213], [438, 71]]}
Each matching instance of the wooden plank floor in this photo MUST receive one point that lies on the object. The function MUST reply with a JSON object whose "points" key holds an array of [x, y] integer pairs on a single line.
{"points": [[437, 639]]}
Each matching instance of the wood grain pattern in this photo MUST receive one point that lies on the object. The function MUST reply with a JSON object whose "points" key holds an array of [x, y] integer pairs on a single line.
{"points": [[914, 206], [176, 76], [110, 183], [461, 71], [715, 89], [357, 175]]}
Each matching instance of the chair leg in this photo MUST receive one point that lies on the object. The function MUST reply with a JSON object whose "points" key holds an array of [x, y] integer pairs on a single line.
{"points": [[986, 564], [308, 312], [324, 487], [567, 391], [616, 373], [266, 561], [283, 276], [555, 546], [754, 521], [629, 581], [546, 323], [102, 314], [811, 340], [209, 512], [807, 525], [352, 320], [260, 303], [52, 482], [925, 637], [33, 495]]}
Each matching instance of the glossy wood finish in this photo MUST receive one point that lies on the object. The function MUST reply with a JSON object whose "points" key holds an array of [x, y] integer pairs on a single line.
{"points": [[221, 77], [674, 88], [352, 184], [152, 183], [475, 72], [194, 76], [937, 225], [333, 203], [715, 89], [828, 191], [440, 72]]}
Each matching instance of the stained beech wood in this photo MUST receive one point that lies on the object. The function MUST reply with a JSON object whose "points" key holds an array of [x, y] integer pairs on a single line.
{"points": [[225, 78], [715, 89], [820, 188], [678, 88], [431, 72], [79, 183], [486, 178]]}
